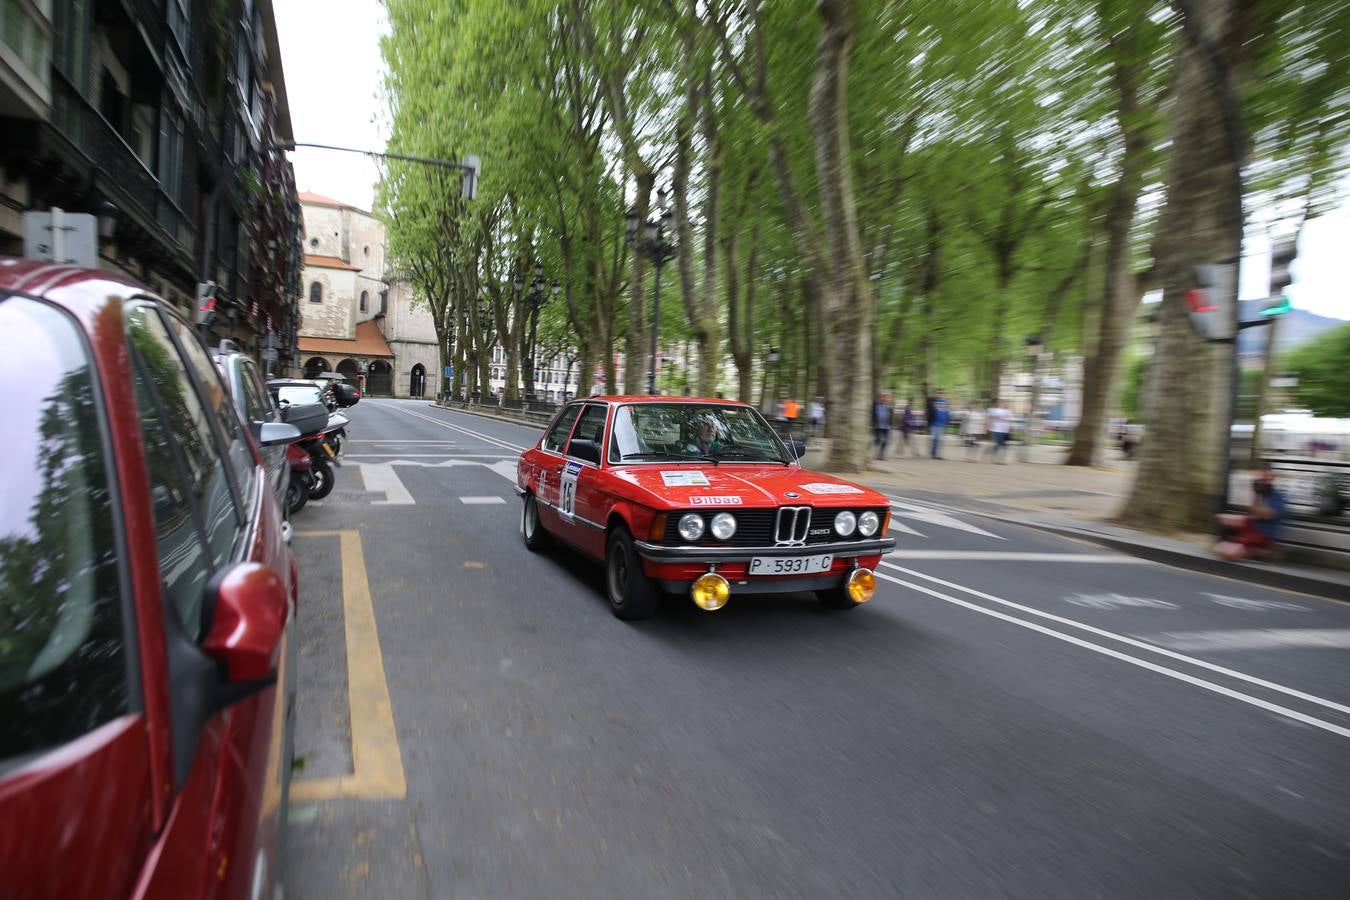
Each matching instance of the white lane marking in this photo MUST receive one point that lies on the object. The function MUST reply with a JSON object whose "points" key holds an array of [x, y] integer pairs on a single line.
{"points": [[1258, 639], [1118, 601], [1132, 660], [933, 517], [381, 477], [505, 468], [424, 455], [897, 525], [387, 443], [1142, 645], [481, 501], [475, 434], [1253, 605], [1009, 556]]}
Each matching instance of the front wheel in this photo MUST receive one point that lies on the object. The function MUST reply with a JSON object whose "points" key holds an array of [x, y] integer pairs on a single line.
{"points": [[531, 529], [320, 480], [296, 496], [632, 595]]}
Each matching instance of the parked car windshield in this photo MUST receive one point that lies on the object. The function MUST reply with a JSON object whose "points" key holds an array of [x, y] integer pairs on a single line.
{"points": [[63, 668], [669, 431]]}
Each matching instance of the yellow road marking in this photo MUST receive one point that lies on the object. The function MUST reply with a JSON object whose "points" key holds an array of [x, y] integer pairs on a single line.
{"points": [[377, 762], [473, 564]]}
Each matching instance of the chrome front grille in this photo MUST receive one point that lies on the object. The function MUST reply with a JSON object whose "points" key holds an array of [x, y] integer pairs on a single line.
{"points": [[792, 526]]}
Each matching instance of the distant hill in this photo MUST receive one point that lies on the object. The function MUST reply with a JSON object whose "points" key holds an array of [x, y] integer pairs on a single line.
{"points": [[1297, 327]]}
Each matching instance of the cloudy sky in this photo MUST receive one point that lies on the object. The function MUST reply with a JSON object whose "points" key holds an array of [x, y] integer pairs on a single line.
{"points": [[334, 79]]}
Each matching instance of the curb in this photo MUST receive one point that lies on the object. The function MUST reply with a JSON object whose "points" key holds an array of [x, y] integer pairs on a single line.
{"points": [[510, 417], [1252, 572]]}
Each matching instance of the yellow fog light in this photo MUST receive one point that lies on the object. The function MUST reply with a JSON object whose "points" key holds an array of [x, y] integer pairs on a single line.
{"points": [[710, 592], [862, 584]]}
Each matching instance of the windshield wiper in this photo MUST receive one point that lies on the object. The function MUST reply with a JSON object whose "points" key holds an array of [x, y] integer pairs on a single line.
{"points": [[662, 454], [748, 456]]}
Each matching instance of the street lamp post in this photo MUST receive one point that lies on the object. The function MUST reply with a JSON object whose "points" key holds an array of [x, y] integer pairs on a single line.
{"points": [[537, 297], [652, 242]]}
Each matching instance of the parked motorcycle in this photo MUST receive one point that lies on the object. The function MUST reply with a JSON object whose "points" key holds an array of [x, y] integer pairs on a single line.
{"points": [[323, 448], [297, 491]]}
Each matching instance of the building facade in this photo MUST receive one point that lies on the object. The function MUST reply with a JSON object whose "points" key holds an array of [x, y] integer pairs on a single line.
{"points": [[356, 318], [555, 378], [164, 120]]}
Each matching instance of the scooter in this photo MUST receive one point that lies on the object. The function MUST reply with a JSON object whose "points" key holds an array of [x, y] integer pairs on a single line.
{"points": [[323, 447]]}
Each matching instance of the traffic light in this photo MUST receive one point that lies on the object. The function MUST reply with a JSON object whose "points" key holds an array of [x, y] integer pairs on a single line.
{"points": [[1281, 257], [1277, 307], [1210, 300]]}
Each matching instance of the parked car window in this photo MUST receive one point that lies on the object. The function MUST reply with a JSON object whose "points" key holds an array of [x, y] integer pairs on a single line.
{"points": [[238, 451], [591, 426], [557, 435], [189, 424], [63, 666], [258, 405]]}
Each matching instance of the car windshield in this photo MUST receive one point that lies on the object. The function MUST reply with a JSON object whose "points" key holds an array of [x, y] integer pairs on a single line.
{"points": [[298, 393], [667, 431]]}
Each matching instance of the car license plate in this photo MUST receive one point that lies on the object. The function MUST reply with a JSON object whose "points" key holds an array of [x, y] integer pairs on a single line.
{"points": [[789, 565]]}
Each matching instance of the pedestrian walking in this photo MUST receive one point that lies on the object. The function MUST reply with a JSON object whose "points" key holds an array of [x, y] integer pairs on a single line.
{"points": [[881, 424], [815, 410], [909, 423], [972, 429], [1000, 426], [938, 416]]}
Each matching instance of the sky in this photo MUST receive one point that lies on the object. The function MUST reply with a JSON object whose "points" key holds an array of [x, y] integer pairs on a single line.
{"points": [[334, 81]]}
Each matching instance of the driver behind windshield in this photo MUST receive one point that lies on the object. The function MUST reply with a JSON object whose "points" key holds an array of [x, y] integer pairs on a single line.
{"points": [[705, 442]]}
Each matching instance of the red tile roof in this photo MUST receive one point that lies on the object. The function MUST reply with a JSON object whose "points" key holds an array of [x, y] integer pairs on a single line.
{"points": [[329, 262], [369, 342], [320, 200]]}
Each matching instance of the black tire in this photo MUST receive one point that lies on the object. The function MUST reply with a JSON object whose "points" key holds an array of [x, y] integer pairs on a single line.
{"points": [[320, 480], [296, 496], [632, 595], [532, 530], [837, 598]]}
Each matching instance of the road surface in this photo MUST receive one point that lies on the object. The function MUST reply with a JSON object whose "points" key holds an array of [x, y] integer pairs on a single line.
{"points": [[1014, 714]]}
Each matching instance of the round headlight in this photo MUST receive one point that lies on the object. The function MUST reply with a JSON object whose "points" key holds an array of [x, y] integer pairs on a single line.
{"points": [[868, 523], [691, 526], [723, 526], [844, 523]]}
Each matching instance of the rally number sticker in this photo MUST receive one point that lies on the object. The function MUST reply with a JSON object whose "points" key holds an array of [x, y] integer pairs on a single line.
{"points": [[684, 478], [827, 488], [567, 494]]}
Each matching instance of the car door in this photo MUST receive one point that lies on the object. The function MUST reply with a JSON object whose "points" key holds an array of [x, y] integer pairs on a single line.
{"points": [[258, 410], [207, 488], [550, 465], [76, 760], [581, 499]]}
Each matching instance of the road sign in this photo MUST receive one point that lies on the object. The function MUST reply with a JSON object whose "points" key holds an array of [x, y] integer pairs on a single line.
{"points": [[269, 354], [449, 372], [73, 240]]}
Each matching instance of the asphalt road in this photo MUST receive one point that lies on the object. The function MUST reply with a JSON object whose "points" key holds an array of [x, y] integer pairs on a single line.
{"points": [[1014, 715]]}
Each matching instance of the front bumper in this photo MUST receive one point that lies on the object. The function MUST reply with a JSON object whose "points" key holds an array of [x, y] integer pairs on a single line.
{"points": [[661, 553]]}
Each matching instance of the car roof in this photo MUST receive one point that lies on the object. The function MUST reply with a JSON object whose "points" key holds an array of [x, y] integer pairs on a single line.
{"points": [[649, 398], [81, 292]]}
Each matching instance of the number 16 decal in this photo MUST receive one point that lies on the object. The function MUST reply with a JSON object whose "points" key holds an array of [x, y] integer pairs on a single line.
{"points": [[567, 497]]}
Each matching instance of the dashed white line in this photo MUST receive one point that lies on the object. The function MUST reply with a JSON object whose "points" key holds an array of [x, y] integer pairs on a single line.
{"points": [[496, 442], [1009, 556], [481, 501]]}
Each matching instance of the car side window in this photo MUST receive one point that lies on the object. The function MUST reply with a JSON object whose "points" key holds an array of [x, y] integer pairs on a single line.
{"points": [[257, 404], [591, 427], [180, 412], [238, 452], [557, 435], [63, 649]]}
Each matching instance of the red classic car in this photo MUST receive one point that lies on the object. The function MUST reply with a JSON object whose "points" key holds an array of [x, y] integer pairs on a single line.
{"points": [[702, 496], [147, 605]]}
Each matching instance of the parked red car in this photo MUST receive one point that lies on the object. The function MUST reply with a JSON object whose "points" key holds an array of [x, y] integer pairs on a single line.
{"points": [[147, 605], [697, 496]]}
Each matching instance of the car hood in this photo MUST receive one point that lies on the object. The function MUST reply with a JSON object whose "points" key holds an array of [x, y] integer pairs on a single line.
{"points": [[683, 486]]}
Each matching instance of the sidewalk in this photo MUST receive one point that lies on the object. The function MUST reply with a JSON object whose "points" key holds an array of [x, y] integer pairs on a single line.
{"points": [[1070, 501]]}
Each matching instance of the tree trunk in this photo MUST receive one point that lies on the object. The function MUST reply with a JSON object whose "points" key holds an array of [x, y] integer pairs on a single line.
{"points": [[846, 290], [1179, 482], [635, 340]]}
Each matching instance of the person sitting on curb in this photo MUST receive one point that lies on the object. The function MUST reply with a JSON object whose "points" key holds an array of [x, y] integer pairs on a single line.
{"points": [[1257, 532]]}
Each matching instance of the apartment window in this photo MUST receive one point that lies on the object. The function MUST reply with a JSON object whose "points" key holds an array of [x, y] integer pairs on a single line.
{"points": [[315, 293], [365, 296], [178, 23], [72, 43], [170, 153]]}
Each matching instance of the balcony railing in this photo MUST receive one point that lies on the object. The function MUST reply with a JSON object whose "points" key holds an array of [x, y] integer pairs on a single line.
{"points": [[121, 174]]}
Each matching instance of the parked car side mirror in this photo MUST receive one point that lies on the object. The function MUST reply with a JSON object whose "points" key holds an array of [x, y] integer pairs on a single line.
{"points": [[270, 434], [247, 621], [586, 450]]}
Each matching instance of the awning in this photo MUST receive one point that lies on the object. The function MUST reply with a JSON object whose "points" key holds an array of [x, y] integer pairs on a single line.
{"points": [[368, 342]]}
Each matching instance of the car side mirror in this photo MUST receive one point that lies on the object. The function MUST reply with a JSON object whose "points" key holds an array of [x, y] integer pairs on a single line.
{"points": [[584, 450], [247, 621], [798, 449], [270, 434]]}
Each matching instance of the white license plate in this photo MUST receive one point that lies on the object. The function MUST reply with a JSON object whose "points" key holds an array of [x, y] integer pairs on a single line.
{"points": [[789, 565]]}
